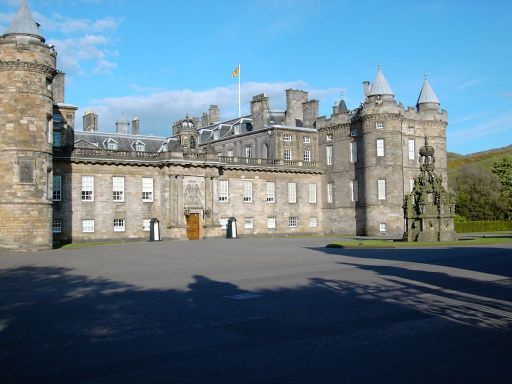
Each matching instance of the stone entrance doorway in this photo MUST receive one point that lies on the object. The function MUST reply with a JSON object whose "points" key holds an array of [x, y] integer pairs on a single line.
{"points": [[193, 226]]}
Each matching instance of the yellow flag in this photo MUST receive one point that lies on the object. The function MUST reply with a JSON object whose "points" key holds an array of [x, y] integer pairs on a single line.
{"points": [[236, 72]]}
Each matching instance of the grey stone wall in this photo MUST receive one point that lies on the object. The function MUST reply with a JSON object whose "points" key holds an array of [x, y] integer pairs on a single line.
{"points": [[27, 69]]}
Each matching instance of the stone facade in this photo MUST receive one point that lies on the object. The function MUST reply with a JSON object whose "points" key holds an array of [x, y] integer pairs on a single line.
{"points": [[27, 69], [275, 172]]}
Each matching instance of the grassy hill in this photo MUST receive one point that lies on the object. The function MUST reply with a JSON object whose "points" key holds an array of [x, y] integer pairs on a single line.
{"points": [[485, 159]]}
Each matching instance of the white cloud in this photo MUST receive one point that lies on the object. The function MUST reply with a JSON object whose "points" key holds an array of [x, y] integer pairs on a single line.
{"points": [[499, 125], [158, 110], [76, 53]]}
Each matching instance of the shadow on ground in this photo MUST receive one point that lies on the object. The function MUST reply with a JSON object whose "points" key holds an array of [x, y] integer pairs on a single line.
{"points": [[402, 319]]}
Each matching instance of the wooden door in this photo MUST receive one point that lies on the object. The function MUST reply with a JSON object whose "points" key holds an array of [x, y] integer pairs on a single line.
{"points": [[193, 226]]}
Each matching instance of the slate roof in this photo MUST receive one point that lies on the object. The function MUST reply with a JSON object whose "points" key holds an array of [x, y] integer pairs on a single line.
{"points": [[380, 86], [125, 142], [427, 94], [23, 23]]}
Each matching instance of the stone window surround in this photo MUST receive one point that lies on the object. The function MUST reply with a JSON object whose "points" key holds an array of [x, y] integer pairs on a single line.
{"points": [[87, 188], [292, 222], [119, 225]]}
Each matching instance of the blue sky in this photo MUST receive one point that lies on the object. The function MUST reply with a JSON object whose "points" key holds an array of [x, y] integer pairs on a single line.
{"points": [[160, 60]]}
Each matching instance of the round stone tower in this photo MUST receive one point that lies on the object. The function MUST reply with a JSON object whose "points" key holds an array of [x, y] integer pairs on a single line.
{"points": [[382, 160], [27, 69]]}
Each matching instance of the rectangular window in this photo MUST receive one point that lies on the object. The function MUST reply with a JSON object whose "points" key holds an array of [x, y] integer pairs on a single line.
{"points": [[57, 118], [88, 226], [57, 226], [223, 223], [380, 147], [411, 184], [247, 191], [56, 139], [328, 137], [330, 192], [87, 188], [306, 140], [410, 130], [237, 129], [354, 190], [312, 193], [353, 132], [146, 225], [248, 151], [287, 138], [411, 149], [248, 223], [118, 188], [271, 192], [307, 155], [147, 189], [140, 147], [230, 153], [287, 154], [313, 222], [271, 222], [379, 125], [215, 135], [57, 188], [119, 225], [224, 190], [292, 192], [382, 227], [292, 222], [112, 146], [353, 152], [382, 189], [328, 153]]}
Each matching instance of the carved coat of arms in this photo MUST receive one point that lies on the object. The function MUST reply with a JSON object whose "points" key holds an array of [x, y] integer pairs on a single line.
{"points": [[192, 195]]}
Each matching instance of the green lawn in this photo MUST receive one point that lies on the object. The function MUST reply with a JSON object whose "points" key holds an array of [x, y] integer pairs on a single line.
{"points": [[405, 244]]}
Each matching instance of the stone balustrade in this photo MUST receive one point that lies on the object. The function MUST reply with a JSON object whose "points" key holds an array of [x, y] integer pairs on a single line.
{"points": [[113, 156]]}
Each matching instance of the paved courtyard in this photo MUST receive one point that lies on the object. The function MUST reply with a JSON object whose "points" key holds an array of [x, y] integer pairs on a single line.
{"points": [[256, 311]]}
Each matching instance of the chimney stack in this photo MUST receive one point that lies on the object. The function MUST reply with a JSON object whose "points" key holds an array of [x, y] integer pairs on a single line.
{"points": [[135, 126], [58, 87], [90, 122], [366, 88]]}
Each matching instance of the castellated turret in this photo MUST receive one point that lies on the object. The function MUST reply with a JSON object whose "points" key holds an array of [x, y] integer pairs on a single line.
{"points": [[372, 157], [27, 70]]}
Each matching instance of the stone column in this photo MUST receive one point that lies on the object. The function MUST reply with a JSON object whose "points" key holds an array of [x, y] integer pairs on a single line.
{"points": [[170, 202], [207, 197], [214, 199], [180, 219]]}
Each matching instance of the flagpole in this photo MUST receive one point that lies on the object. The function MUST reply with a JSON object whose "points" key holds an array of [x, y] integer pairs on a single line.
{"points": [[239, 75]]}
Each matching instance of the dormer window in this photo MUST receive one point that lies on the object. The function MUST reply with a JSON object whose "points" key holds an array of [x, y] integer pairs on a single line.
{"points": [[111, 144], [237, 129], [216, 135], [139, 146]]}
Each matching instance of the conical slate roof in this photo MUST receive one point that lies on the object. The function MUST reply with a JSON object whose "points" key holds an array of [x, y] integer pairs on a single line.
{"points": [[427, 94], [23, 23], [380, 86]]}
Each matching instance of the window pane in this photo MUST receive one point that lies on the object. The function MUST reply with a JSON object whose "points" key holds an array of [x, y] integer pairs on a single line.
{"points": [[223, 190], [57, 188], [292, 192], [87, 188]]}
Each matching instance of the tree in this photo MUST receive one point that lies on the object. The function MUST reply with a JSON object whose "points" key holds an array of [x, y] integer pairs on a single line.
{"points": [[503, 169], [479, 195]]}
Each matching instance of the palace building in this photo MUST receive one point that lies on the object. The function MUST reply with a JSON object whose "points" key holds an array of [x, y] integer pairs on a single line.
{"points": [[274, 172]]}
